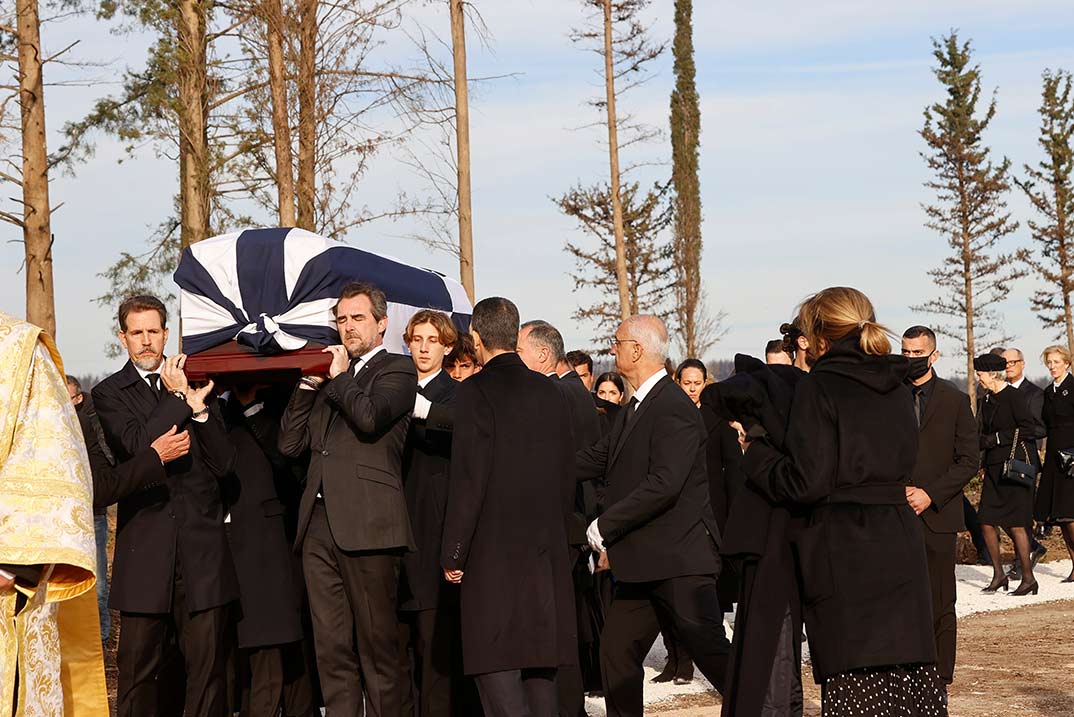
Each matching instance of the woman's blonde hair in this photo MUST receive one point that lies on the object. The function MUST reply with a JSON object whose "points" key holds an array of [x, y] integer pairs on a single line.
{"points": [[835, 313], [1063, 352]]}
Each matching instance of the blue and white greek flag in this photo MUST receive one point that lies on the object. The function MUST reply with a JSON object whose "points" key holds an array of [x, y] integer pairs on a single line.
{"points": [[274, 289]]}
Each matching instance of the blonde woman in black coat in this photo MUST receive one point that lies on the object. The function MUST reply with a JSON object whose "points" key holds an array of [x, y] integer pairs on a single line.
{"points": [[1055, 496], [849, 455], [1004, 414]]}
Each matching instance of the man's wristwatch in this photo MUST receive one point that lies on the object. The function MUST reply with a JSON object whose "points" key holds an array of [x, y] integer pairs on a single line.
{"points": [[178, 394], [198, 414]]}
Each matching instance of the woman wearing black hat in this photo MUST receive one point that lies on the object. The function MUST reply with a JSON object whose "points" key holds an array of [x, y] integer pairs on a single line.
{"points": [[1008, 431]]}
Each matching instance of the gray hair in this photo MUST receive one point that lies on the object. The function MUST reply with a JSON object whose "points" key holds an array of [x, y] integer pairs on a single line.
{"points": [[651, 333], [545, 334]]}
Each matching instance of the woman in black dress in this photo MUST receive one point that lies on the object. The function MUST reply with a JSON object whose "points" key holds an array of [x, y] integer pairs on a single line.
{"points": [[1004, 414], [848, 455], [1055, 496]]}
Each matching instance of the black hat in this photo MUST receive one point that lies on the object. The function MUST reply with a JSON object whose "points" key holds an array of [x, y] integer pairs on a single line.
{"points": [[989, 362]]}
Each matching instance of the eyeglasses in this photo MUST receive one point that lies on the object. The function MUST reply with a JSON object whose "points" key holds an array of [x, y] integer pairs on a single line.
{"points": [[1015, 362], [617, 342]]}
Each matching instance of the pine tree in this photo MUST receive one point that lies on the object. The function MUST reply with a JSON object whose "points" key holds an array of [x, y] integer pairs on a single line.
{"points": [[970, 210], [1049, 188]]}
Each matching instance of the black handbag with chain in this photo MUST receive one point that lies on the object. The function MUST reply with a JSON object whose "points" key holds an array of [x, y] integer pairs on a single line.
{"points": [[1018, 472]]}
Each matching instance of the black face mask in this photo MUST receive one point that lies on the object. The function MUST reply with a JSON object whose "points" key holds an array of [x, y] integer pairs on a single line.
{"points": [[919, 366]]}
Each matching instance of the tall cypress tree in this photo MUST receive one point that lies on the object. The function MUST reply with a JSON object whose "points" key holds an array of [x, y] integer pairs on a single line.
{"points": [[970, 210], [685, 135]]}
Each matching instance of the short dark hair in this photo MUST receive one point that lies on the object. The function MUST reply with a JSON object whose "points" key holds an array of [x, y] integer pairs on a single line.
{"points": [[495, 320], [916, 332], [462, 349], [775, 346], [691, 363], [370, 291], [142, 302], [546, 335], [71, 380], [610, 376], [580, 358]]}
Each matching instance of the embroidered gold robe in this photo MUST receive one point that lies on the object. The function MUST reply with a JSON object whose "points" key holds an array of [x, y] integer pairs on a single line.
{"points": [[46, 518]]}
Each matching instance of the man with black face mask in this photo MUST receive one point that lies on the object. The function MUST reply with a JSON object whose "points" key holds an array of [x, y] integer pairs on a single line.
{"points": [[947, 459]]}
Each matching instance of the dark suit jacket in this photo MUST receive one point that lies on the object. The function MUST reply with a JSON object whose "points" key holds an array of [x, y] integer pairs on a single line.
{"points": [[355, 428], [511, 471], [585, 430], [177, 518], [269, 609], [426, 465], [657, 521], [947, 456], [110, 484], [1035, 396]]}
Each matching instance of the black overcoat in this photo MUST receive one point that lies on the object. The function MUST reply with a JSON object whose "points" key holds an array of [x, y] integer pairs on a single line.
{"points": [[947, 456], [1055, 495], [179, 517], [657, 521], [511, 475], [585, 430], [269, 608], [999, 415], [851, 444], [723, 457], [426, 466], [354, 428]]}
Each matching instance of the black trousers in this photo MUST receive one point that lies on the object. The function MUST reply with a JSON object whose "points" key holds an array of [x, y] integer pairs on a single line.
{"points": [[435, 638], [973, 525], [689, 605], [678, 664], [353, 601], [272, 678], [148, 643], [940, 553], [518, 693]]}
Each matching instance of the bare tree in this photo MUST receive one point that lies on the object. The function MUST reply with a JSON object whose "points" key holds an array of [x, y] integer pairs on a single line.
{"points": [[970, 211], [462, 144], [306, 62], [193, 114], [620, 38], [273, 17], [1049, 188], [648, 254]]}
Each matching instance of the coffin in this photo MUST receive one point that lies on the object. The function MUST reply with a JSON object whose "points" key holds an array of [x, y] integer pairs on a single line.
{"points": [[257, 305]]}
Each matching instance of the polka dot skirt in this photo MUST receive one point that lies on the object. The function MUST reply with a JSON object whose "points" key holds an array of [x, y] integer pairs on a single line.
{"points": [[900, 691]]}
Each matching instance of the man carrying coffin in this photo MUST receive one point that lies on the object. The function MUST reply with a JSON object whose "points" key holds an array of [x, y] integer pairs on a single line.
{"points": [[353, 527]]}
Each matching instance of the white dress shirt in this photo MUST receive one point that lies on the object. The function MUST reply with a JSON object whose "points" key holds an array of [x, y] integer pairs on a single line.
{"points": [[365, 358], [1019, 382], [422, 404]]}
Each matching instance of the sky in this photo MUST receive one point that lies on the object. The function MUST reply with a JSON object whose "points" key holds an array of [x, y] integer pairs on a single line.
{"points": [[811, 173]]}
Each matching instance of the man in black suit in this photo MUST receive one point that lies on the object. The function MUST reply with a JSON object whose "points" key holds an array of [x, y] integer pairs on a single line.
{"points": [[429, 604], [582, 363], [1016, 366], [540, 346], [353, 527], [270, 664], [657, 526], [504, 537], [947, 458], [172, 577]]}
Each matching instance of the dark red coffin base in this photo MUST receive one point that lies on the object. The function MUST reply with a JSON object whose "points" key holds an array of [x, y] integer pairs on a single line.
{"points": [[232, 363]]}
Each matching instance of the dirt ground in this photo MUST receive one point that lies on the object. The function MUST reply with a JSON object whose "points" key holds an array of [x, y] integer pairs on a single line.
{"points": [[1012, 662]]}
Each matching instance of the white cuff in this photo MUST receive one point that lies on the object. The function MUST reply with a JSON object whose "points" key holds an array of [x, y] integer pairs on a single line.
{"points": [[6, 575], [421, 407], [596, 541]]}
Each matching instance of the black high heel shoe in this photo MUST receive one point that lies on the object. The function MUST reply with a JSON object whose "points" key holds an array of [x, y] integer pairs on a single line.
{"points": [[997, 583], [1068, 579], [1026, 588]]}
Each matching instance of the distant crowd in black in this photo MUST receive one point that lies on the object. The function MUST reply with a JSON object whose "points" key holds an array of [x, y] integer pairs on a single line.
{"points": [[486, 527]]}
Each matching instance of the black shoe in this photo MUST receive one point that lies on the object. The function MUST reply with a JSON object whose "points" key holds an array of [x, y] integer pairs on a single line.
{"points": [[1015, 571], [1068, 578], [1026, 588], [666, 676], [1038, 552], [998, 583]]}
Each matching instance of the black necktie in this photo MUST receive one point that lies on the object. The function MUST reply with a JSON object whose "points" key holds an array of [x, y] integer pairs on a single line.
{"points": [[631, 408], [355, 363], [421, 390], [154, 383], [917, 404]]}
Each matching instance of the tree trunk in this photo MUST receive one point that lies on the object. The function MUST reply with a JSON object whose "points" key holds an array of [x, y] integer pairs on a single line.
{"points": [[462, 142], [307, 112], [193, 122], [281, 128], [36, 232], [967, 275], [613, 158]]}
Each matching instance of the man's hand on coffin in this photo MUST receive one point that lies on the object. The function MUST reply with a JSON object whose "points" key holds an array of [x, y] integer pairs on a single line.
{"points": [[172, 375], [196, 398], [172, 445], [341, 360]]}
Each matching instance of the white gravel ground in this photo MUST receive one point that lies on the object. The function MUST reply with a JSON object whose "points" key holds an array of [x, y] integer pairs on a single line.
{"points": [[971, 579]]}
